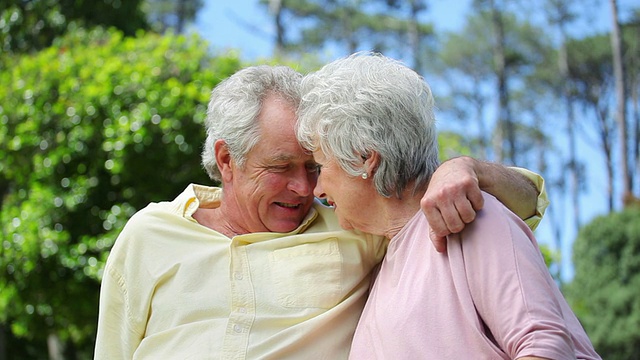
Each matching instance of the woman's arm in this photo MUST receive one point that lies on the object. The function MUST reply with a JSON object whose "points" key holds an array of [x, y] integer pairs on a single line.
{"points": [[512, 290]]}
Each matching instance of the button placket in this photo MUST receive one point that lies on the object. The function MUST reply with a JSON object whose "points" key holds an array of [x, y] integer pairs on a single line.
{"points": [[242, 312]]}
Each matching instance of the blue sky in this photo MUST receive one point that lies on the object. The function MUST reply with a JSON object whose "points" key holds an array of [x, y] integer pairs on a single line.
{"points": [[243, 26]]}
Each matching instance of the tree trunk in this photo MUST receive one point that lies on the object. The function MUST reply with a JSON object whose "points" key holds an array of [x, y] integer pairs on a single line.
{"points": [[275, 8], [483, 136], [3, 342], [352, 41], [607, 146], [635, 123], [635, 140], [621, 98], [504, 125], [181, 13], [414, 36], [571, 133], [55, 347]]}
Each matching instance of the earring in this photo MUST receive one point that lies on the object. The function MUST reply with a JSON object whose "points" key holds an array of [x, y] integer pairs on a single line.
{"points": [[365, 176]]}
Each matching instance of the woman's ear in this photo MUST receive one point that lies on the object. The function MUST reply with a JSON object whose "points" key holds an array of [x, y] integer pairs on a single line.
{"points": [[223, 159], [371, 162]]}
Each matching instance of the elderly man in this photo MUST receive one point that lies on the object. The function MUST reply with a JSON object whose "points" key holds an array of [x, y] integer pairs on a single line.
{"points": [[259, 268]]}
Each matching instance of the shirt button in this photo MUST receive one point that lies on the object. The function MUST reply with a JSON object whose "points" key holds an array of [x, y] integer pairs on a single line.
{"points": [[243, 310], [238, 275], [237, 328]]}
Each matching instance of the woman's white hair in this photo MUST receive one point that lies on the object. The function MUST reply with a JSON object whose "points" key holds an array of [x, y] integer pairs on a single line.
{"points": [[234, 107], [368, 102]]}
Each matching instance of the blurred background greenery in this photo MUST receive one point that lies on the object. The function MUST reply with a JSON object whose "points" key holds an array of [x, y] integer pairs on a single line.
{"points": [[101, 112]]}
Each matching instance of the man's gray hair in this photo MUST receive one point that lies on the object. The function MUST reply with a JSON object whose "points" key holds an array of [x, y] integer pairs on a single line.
{"points": [[235, 105], [368, 102]]}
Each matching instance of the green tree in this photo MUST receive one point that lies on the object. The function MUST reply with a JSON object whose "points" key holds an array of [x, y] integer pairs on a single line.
{"points": [[170, 14], [91, 130], [470, 58], [32, 25], [383, 25], [605, 292], [591, 74], [561, 14]]}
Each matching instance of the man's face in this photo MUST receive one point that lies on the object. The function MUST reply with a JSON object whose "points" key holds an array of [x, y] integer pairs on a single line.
{"points": [[273, 191]]}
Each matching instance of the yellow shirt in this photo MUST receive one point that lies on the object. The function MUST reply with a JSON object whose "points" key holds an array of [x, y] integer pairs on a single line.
{"points": [[543, 198], [174, 289]]}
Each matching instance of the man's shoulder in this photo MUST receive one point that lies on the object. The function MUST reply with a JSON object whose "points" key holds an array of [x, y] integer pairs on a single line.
{"points": [[152, 210], [179, 205], [161, 212]]}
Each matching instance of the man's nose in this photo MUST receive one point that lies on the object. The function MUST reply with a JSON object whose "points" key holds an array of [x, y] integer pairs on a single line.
{"points": [[300, 183]]}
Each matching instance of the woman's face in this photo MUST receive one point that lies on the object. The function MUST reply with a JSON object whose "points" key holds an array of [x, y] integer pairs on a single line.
{"points": [[350, 196]]}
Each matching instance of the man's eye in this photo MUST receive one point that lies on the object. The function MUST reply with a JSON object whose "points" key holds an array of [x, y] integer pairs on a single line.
{"points": [[279, 168], [314, 168]]}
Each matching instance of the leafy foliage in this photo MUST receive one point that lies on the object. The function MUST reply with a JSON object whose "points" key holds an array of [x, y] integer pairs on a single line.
{"points": [[383, 25], [32, 25], [171, 14], [468, 57], [605, 292], [91, 130]]}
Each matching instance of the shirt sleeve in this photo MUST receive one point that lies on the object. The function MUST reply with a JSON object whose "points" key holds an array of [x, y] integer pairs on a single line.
{"points": [[511, 288], [118, 337], [543, 199]]}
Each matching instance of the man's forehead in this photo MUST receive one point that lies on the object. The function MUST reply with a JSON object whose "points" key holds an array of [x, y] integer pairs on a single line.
{"points": [[288, 157]]}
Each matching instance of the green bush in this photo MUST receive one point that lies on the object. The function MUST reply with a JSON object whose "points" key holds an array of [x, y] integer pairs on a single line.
{"points": [[91, 129], [27, 26], [605, 292]]}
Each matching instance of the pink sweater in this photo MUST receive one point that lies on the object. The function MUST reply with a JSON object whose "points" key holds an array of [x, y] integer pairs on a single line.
{"points": [[489, 297]]}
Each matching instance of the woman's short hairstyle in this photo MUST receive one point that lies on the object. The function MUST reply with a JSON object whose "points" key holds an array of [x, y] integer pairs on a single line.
{"points": [[368, 102], [234, 108]]}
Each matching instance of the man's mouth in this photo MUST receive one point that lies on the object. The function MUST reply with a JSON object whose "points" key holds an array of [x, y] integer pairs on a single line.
{"points": [[287, 205]]}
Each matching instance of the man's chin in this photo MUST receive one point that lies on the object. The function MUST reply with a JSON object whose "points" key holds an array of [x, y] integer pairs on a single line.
{"points": [[284, 226], [286, 219]]}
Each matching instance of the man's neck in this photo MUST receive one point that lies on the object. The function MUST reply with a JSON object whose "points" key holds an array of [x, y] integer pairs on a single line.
{"points": [[213, 219]]}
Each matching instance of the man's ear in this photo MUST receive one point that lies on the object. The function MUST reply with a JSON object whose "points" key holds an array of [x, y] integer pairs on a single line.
{"points": [[223, 159]]}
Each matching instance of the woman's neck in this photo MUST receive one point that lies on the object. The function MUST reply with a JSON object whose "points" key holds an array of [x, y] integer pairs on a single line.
{"points": [[398, 212]]}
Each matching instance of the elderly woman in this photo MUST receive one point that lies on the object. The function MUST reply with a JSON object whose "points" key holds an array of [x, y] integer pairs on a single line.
{"points": [[369, 122]]}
